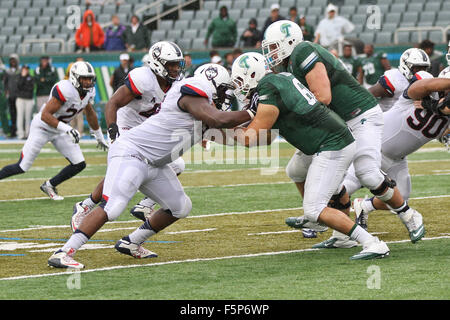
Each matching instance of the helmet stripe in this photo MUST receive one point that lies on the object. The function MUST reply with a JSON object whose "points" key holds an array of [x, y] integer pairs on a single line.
{"points": [[88, 67]]}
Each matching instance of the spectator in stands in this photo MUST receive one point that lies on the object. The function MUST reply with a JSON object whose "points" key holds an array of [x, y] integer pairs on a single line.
{"points": [[114, 35], [307, 29], [229, 59], [372, 66], [274, 16], [293, 15], [350, 62], [332, 28], [136, 36], [223, 30], [45, 77], [89, 36], [25, 102], [78, 121], [188, 67], [103, 2], [236, 53], [119, 75], [11, 81], [3, 101], [436, 57], [216, 59], [251, 37]]}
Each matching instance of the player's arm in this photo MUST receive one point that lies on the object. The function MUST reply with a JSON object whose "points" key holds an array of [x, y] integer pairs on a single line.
{"points": [[424, 87], [258, 131], [92, 119], [383, 88], [51, 107], [202, 110], [385, 63], [319, 83]]}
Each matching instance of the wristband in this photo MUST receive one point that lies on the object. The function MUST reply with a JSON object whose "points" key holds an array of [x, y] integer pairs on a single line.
{"points": [[251, 114], [98, 134], [63, 127]]}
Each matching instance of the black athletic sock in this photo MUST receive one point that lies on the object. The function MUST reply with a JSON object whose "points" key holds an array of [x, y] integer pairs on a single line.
{"points": [[10, 170], [67, 173]]}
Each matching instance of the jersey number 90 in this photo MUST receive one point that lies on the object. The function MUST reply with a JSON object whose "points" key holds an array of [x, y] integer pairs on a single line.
{"points": [[425, 121]]}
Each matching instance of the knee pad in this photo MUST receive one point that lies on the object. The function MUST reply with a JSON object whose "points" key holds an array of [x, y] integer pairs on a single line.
{"points": [[178, 165], [113, 208], [385, 191], [297, 168], [335, 201], [183, 208]]}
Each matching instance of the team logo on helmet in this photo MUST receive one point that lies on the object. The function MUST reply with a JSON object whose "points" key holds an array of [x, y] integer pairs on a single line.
{"points": [[243, 62], [211, 72], [156, 52], [285, 29]]}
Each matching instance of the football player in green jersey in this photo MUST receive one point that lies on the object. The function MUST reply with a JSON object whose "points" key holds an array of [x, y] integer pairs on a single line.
{"points": [[372, 66], [326, 77], [350, 62], [285, 104]]}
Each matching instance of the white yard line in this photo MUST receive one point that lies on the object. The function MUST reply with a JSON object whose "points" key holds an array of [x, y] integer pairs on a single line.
{"points": [[260, 254], [190, 231]]}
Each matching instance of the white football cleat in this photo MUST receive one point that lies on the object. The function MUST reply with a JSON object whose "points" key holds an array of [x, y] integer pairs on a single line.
{"points": [[374, 250], [80, 211], [137, 251], [361, 216], [303, 223], [337, 240], [142, 212], [51, 191], [414, 223], [63, 259]]}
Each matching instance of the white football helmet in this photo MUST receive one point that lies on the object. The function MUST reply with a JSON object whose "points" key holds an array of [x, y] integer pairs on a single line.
{"points": [[159, 54], [412, 57], [220, 79], [448, 54], [445, 74], [246, 72], [280, 39], [82, 69]]}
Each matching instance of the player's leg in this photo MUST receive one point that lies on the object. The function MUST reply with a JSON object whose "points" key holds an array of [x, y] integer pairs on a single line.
{"points": [[325, 175], [72, 152], [368, 130], [167, 190], [31, 149], [124, 175], [83, 208], [146, 206]]}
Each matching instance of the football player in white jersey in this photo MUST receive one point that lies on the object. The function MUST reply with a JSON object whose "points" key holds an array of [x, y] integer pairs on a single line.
{"points": [[406, 129], [138, 99], [393, 82], [66, 100], [139, 158]]}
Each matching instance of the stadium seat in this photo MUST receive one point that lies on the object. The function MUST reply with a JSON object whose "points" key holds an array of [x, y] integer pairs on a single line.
{"points": [[12, 21], [303, 4], [63, 36], [412, 17], [234, 14], [346, 10], [202, 15], [37, 48], [185, 44], [427, 17], [7, 30], [17, 12], [8, 4], [125, 8], [53, 47], [432, 6], [403, 37], [314, 11], [227, 3], [9, 48], [367, 37], [15, 38], [28, 21], [351, 2], [415, 7], [398, 7], [383, 37], [23, 30], [446, 6], [320, 3], [444, 16], [359, 19], [190, 33], [389, 27], [197, 24], [24, 4], [43, 21], [174, 34], [52, 29], [435, 36], [109, 9], [209, 5], [158, 35], [241, 4], [288, 3], [4, 13], [392, 17], [249, 13], [197, 44], [186, 15], [166, 25], [257, 4], [181, 24], [33, 12], [37, 29]]}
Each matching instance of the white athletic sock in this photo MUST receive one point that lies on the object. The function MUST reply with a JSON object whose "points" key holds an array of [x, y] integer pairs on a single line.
{"points": [[75, 242], [361, 235], [367, 205], [142, 233], [88, 202], [147, 202]]}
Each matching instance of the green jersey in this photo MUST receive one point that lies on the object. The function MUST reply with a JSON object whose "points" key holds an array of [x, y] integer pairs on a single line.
{"points": [[348, 98], [351, 64], [303, 121], [372, 67]]}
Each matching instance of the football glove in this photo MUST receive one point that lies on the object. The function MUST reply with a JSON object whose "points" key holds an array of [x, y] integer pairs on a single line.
{"points": [[434, 105], [445, 140], [253, 105], [75, 135], [101, 143], [113, 131]]}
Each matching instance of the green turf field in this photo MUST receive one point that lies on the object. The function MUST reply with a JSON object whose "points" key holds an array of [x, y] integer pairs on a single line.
{"points": [[234, 245]]}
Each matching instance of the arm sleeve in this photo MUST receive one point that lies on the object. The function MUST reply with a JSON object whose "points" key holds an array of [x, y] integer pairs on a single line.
{"points": [[132, 85], [308, 59], [56, 92], [386, 84], [192, 90]]}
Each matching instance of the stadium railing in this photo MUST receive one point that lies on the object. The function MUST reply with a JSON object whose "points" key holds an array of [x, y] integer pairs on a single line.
{"points": [[420, 30]]}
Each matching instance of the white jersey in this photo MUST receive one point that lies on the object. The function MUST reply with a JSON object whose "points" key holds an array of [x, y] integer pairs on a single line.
{"points": [[394, 82], [166, 136], [407, 128], [72, 103], [144, 84]]}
